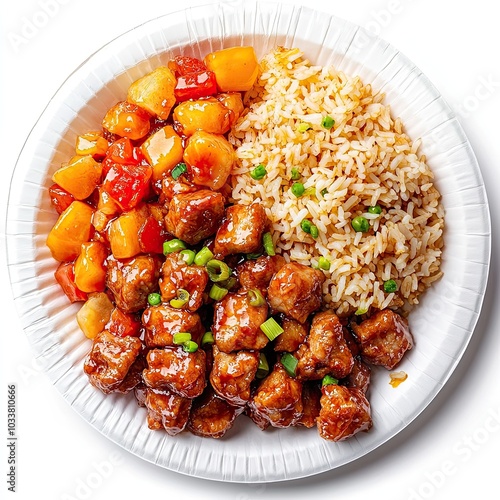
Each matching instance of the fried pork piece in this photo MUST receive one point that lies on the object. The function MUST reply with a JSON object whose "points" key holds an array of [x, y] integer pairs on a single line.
{"points": [[162, 322], [170, 187], [296, 290], [110, 359], [132, 280], [258, 273], [278, 398], [133, 377], [344, 412], [167, 410], [359, 377], [237, 323], [241, 230], [383, 338], [311, 394], [325, 350], [232, 375], [176, 275], [176, 370], [294, 334], [193, 217], [211, 416]]}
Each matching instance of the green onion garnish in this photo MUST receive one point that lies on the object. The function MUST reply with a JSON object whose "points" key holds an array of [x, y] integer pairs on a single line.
{"points": [[187, 256], [328, 122], [259, 172], [267, 241], [181, 300], [310, 191], [360, 224], [360, 311], [303, 127], [324, 263], [314, 231], [329, 380], [154, 299], [295, 174], [203, 256], [324, 191], [390, 286], [289, 362], [181, 337], [256, 297], [263, 368], [217, 292], [253, 256], [208, 338], [298, 189], [174, 245], [190, 346], [376, 209], [218, 270], [271, 329], [178, 170]]}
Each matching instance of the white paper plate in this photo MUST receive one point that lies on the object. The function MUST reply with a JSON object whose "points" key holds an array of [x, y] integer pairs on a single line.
{"points": [[442, 325]]}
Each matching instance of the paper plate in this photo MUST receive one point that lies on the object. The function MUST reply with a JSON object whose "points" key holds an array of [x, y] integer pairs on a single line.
{"points": [[442, 325]]}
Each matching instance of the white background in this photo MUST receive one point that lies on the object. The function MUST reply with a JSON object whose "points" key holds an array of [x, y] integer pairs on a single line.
{"points": [[450, 450]]}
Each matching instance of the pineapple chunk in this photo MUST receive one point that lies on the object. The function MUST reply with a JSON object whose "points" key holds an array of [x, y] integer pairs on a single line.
{"points": [[123, 232], [163, 150], [94, 314], [154, 92], [90, 267], [79, 177]]}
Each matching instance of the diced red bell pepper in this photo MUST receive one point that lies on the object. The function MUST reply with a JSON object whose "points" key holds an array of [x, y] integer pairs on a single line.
{"points": [[124, 324], [65, 276], [195, 85], [183, 65], [60, 198], [127, 184], [123, 152], [151, 236]]}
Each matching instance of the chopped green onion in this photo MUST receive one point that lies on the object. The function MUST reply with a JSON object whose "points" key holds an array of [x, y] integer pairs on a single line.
{"points": [[329, 380], [174, 245], [181, 337], [253, 256], [208, 338], [259, 172], [229, 283], [263, 368], [203, 256], [295, 174], [178, 170], [271, 329], [328, 122], [306, 226], [218, 270], [377, 209], [267, 241], [360, 224], [190, 346], [360, 311], [314, 231], [217, 292], [303, 127], [298, 189], [181, 300], [154, 299], [256, 297], [324, 263], [390, 286], [324, 191], [289, 362], [187, 256]]}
